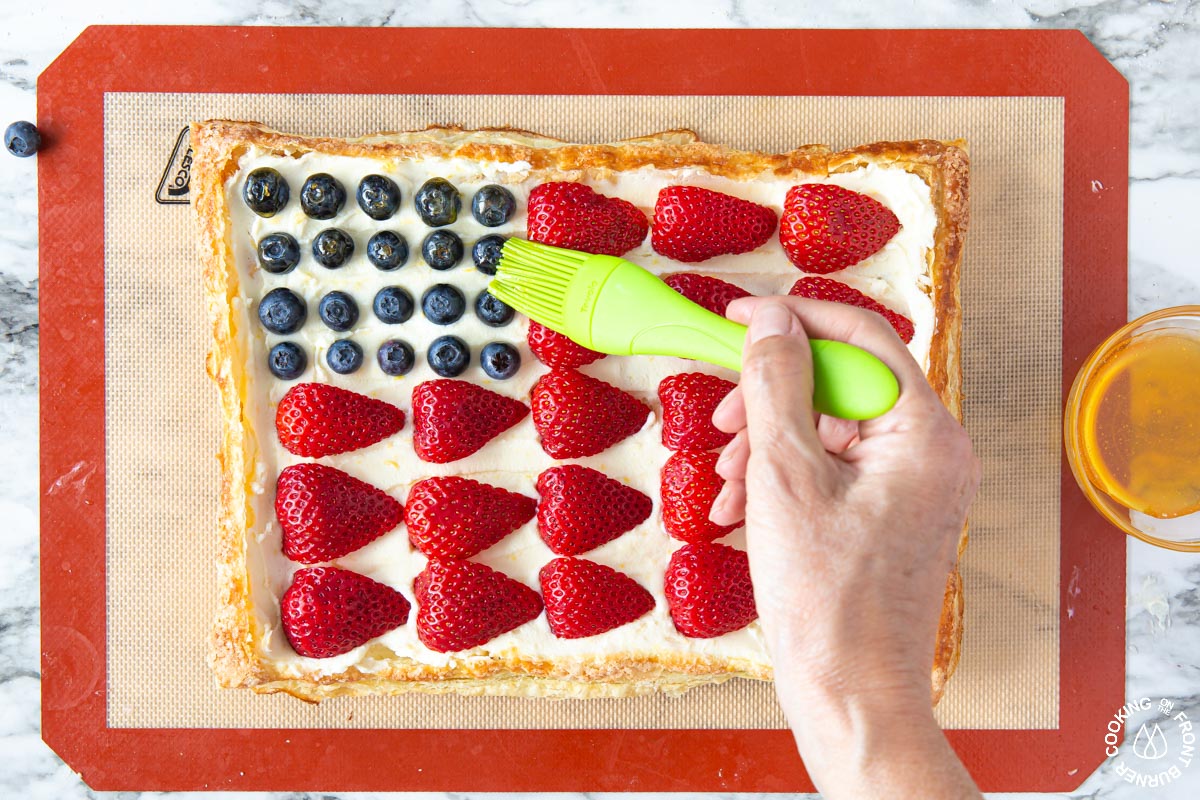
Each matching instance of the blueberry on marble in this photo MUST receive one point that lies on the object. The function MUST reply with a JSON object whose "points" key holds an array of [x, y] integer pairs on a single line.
{"points": [[500, 360], [393, 305], [486, 253], [287, 361], [378, 196], [387, 250], [282, 311], [443, 304], [322, 196], [442, 249], [448, 356], [338, 310], [344, 356], [492, 205], [493, 311], [278, 253], [332, 248], [437, 202], [396, 357], [266, 192], [22, 139]]}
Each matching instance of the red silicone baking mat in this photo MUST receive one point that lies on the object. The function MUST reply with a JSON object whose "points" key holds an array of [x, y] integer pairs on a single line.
{"points": [[697, 63]]}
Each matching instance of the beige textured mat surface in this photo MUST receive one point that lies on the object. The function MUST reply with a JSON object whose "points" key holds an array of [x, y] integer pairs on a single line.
{"points": [[162, 419]]}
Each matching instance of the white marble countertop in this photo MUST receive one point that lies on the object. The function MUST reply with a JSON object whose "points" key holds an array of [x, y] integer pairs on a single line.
{"points": [[1154, 44]]}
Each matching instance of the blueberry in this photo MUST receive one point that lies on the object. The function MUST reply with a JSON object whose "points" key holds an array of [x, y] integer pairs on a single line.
{"points": [[393, 305], [442, 249], [344, 356], [332, 248], [500, 360], [22, 139], [282, 311], [486, 253], [387, 250], [278, 253], [265, 192], [443, 304], [448, 356], [378, 196], [437, 202], [338, 310], [287, 361], [492, 205], [396, 357], [321, 196], [493, 311]]}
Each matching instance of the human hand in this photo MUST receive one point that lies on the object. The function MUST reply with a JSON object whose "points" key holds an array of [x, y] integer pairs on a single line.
{"points": [[851, 527]]}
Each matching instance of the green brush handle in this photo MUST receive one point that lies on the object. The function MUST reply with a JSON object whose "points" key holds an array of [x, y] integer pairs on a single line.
{"points": [[635, 313]]}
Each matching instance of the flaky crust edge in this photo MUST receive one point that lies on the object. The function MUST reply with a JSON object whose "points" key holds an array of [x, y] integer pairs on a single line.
{"points": [[218, 145]]}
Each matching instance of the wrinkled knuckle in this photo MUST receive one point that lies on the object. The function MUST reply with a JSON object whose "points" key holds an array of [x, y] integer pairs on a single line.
{"points": [[774, 358]]}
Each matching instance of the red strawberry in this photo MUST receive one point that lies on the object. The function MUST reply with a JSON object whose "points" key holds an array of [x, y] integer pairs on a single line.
{"points": [[555, 350], [688, 401], [826, 228], [690, 484], [452, 419], [578, 415], [709, 591], [712, 293], [584, 598], [574, 216], [454, 517], [315, 419], [329, 611], [693, 224], [829, 289], [325, 513], [462, 604], [582, 508]]}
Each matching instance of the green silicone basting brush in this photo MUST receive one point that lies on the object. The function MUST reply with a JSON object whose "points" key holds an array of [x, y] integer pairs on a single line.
{"points": [[613, 306]]}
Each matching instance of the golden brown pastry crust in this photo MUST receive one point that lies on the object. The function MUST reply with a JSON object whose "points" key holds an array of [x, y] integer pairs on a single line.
{"points": [[218, 146]]}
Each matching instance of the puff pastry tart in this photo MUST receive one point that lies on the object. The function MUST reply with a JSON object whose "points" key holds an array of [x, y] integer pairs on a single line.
{"points": [[424, 492]]}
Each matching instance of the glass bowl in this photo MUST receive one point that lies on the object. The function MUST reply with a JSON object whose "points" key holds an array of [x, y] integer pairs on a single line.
{"points": [[1180, 533]]}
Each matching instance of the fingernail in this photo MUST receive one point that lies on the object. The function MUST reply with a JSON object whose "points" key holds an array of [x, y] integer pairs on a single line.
{"points": [[720, 503], [770, 319], [724, 402]]}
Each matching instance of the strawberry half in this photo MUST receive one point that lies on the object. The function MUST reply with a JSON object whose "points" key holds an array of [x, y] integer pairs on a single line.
{"points": [[455, 517], [325, 513], [462, 604], [316, 419], [709, 591], [584, 598], [826, 228], [575, 216], [453, 419], [582, 508], [329, 611], [712, 293], [690, 484], [688, 401], [693, 224], [555, 350], [578, 415], [838, 292]]}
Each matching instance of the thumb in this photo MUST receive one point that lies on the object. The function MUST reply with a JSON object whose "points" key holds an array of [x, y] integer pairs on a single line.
{"points": [[777, 383]]}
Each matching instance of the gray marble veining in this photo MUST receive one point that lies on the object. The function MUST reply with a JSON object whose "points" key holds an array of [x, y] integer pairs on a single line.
{"points": [[1154, 44]]}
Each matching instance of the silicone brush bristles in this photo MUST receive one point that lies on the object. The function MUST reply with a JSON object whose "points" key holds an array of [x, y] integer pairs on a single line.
{"points": [[534, 279]]}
